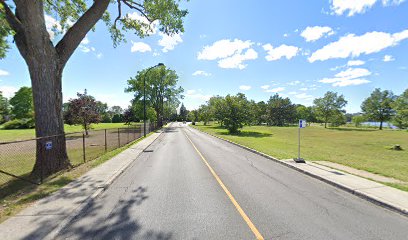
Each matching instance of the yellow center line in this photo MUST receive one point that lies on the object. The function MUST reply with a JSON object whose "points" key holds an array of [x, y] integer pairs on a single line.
{"points": [[239, 209]]}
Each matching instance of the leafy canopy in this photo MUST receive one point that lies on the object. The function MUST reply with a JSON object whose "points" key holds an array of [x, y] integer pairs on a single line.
{"points": [[138, 16]]}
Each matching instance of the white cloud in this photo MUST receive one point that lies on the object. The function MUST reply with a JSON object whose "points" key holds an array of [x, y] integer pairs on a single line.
{"points": [[339, 7], [311, 34], [245, 87], [285, 35], [303, 89], [351, 76], [223, 49], [237, 60], [355, 63], [99, 55], [279, 52], [265, 87], [292, 93], [388, 58], [196, 95], [294, 83], [3, 73], [276, 90], [169, 42], [202, 73], [140, 47], [304, 96], [229, 53], [8, 91], [85, 41], [353, 46]]}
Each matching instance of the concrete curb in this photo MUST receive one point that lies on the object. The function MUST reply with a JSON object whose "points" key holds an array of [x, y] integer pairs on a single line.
{"points": [[86, 203], [369, 198]]}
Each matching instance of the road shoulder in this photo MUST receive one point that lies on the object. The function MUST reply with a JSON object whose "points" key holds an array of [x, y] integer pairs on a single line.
{"points": [[377, 193], [46, 217]]}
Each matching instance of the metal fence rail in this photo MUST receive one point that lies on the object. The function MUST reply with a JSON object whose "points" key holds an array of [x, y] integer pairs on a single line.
{"points": [[17, 158]]}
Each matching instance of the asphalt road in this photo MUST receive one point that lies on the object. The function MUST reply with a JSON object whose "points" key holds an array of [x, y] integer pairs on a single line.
{"points": [[189, 185]]}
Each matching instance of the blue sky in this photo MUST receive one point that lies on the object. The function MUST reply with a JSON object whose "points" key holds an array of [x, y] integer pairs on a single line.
{"points": [[299, 49]]}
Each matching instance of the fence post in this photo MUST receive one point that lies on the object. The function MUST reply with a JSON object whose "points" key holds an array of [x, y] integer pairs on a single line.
{"points": [[42, 163], [127, 130], [83, 146], [134, 133], [118, 137], [106, 143]]}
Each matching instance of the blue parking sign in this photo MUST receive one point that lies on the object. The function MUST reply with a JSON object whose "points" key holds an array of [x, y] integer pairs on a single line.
{"points": [[302, 123], [48, 145]]}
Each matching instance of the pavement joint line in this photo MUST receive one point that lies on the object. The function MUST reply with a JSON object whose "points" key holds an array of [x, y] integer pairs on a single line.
{"points": [[230, 196], [87, 202], [359, 193]]}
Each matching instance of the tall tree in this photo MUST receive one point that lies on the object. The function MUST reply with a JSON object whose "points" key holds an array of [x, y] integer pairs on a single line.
{"points": [[401, 108], [378, 106], [329, 106], [4, 108], [236, 112], [307, 113], [183, 112], [217, 107], [161, 87], [205, 113], [25, 21], [22, 103], [82, 110], [281, 111]]}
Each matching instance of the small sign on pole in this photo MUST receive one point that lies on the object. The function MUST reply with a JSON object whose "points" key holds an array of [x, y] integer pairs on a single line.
{"points": [[48, 145], [302, 124]]}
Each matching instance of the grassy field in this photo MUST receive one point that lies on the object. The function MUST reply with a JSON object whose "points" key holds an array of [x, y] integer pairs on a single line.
{"points": [[366, 149], [23, 134]]}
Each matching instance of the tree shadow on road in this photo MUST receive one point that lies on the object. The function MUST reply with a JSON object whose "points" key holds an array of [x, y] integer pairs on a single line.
{"points": [[249, 134]]}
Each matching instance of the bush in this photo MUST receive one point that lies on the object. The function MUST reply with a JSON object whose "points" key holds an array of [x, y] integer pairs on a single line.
{"points": [[106, 119], [24, 123], [117, 118]]}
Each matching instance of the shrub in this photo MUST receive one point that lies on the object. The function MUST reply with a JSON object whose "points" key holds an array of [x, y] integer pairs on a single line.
{"points": [[24, 123]]}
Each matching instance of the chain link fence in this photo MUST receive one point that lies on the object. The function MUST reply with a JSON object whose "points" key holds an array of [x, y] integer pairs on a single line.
{"points": [[17, 159]]}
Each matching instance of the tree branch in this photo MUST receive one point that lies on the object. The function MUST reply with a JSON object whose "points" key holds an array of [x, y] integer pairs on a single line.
{"points": [[11, 18], [71, 40], [140, 8]]}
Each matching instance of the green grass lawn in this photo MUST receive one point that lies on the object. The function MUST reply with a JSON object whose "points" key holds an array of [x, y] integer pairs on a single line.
{"points": [[23, 134], [365, 149]]}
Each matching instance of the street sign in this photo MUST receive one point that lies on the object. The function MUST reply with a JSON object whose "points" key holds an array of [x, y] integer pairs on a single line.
{"points": [[48, 145], [302, 123]]}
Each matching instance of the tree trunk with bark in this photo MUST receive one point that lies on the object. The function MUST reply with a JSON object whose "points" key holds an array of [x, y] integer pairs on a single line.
{"points": [[46, 63]]}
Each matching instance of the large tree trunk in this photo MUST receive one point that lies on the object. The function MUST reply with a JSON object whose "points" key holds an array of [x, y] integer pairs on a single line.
{"points": [[34, 44], [47, 93], [381, 124]]}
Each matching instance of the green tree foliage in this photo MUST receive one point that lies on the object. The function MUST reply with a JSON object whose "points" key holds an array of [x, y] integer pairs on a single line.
{"points": [[307, 113], [261, 115], [183, 113], [161, 89], [329, 107], [236, 112], [358, 120], [22, 103], [378, 107], [4, 108], [82, 110], [401, 108], [280, 111], [194, 116], [205, 113], [117, 118], [46, 60], [217, 108]]}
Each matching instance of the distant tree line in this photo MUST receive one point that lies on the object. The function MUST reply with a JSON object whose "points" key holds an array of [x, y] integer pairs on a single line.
{"points": [[235, 111]]}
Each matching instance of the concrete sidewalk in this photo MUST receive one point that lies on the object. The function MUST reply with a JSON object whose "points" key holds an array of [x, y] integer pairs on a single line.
{"points": [[380, 194], [48, 216], [375, 192]]}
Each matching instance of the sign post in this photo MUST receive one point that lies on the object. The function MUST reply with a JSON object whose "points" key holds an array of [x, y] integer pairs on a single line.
{"points": [[302, 124]]}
